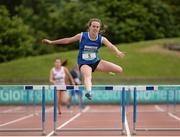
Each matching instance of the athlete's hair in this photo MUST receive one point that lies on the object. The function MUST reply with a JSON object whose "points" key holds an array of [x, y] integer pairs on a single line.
{"points": [[96, 20], [63, 62], [57, 59]]}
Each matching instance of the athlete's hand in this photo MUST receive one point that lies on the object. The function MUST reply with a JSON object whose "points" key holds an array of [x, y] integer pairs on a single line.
{"points": [[54, 82], [120, 54], [73, 83], [46, 41]]}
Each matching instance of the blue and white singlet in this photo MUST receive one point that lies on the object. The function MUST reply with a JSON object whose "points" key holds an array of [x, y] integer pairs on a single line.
{"points": [[88, 49]]}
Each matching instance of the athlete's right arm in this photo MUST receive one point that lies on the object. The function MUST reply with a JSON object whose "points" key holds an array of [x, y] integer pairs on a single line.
{"points": [[51, 78], [63, 40]]}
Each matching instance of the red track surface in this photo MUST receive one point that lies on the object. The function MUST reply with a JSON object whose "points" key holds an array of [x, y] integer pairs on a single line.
{"points": [[101, 116]]}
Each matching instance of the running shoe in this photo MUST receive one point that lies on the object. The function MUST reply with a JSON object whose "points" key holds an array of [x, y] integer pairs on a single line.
{"points": [[88, 95]]}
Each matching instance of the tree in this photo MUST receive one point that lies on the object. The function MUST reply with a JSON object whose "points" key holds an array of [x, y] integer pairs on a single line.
{"points": [[15, 38]]}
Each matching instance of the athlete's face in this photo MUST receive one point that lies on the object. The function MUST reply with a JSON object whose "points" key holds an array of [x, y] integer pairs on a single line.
{"points": [[94, 27], [57, 63]]}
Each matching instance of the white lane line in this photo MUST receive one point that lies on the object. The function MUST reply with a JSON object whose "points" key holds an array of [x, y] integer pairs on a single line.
{"points": [[10, 110], [22, 118], [170, 114], [70, 120], [159, 108], [127, 127], [13, 121], [175, 117]]}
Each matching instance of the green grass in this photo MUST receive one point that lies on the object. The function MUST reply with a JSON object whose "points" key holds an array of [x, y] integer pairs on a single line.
{"points": [[143, 60]]}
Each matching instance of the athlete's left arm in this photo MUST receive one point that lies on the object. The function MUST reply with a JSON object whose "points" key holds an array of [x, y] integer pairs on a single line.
{"points": [[108, 44], [69, 75]]}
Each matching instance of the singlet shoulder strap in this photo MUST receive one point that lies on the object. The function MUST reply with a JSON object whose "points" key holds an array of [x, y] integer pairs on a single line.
{"points": [[81, 35]]}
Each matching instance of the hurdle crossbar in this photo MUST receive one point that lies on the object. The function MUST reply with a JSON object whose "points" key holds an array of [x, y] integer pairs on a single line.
{"points": [[42, 129], [104, 87]]}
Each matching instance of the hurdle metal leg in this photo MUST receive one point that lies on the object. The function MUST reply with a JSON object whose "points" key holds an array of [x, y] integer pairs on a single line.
{"points": [[123, 110], [43, 110], [134, 111], [167, 101], [174, 101], [27, 101], [34, 102], [55, 109]]}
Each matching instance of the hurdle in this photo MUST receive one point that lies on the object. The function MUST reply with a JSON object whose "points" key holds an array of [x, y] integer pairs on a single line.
{"points": [[150, 89], [175, 100], [42, 129], [27, 101], [171, 88], [95, 87], [16, 110]]}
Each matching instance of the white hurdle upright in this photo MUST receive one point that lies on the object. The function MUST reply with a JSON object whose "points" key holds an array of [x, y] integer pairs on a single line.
{"points": [[42, 129], [95, 87]]}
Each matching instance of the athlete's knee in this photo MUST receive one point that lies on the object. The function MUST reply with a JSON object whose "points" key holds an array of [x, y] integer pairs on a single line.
{"points": [[63, 102], [120, 70]]}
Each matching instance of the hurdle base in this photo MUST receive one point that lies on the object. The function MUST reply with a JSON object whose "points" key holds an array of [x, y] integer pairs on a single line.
{"points": [[43, 133], [123, 132], [55, 133], [21, 130], [134, 132], [90, 129], [157, 129]]}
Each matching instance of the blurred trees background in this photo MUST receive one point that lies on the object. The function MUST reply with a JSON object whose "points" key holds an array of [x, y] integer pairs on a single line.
{"points": [[24, 23]]}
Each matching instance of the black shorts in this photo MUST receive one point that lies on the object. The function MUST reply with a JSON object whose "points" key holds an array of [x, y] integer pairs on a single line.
{"points": [[93, 66]]}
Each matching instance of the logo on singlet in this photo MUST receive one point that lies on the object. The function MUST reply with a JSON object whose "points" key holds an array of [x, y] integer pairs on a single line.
{"points": [[89, 52]]}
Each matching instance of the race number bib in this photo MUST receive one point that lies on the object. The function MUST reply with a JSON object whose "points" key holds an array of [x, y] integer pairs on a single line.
{"points": [[88, 55]]}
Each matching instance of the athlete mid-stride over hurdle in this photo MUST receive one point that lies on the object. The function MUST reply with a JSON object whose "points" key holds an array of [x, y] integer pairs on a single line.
{"points": [[88, 61]]}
